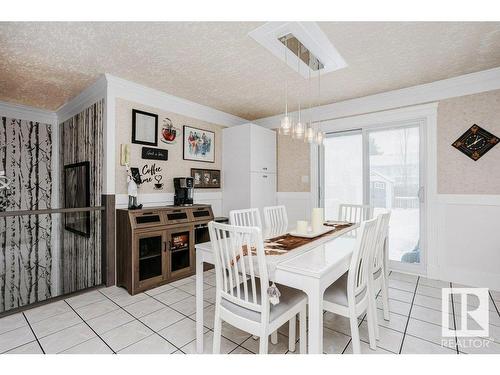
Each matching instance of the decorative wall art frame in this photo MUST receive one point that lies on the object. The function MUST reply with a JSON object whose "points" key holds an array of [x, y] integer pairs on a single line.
{"points": [[169, 132], [144, 128], [206, 178], [475, 142], [198, 144], [77, 195]]}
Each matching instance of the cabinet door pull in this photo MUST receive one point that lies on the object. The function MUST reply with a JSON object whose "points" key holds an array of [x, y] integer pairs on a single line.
{"points": [[165, 246], [265, 176], [265, 168]]}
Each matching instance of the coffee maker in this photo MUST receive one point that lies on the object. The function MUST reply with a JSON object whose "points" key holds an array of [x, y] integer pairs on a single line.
{"points": [[184, 188]]}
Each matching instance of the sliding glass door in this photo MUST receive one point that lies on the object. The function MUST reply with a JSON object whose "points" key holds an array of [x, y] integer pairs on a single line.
{"points": [[380, 166]]}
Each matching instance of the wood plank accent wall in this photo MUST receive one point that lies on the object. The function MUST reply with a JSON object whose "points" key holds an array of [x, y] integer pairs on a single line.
{"points": [[81, 140]]}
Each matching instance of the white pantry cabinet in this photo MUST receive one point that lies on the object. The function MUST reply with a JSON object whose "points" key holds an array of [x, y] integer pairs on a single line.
{"points": [[249, 167]]}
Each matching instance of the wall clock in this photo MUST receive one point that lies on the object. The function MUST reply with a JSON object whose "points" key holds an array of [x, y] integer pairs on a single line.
{"points": [[475, 142]]}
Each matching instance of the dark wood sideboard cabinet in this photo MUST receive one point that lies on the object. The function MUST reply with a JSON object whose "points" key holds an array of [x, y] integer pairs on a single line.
{"points": [[156, 245]]}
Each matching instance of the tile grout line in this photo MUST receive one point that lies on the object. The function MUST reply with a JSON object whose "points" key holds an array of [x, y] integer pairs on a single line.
{"points": [[31, 328], [494, 303], [137, 319], [409, 314], [454, 318], [92, 329]]}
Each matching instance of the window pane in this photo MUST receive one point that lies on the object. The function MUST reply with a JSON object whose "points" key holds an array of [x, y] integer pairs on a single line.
{"points": [[343, 175]]}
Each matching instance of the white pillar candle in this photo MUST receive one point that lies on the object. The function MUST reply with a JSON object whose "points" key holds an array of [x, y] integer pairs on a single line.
{"points": [[302, 226], [317, 219]]}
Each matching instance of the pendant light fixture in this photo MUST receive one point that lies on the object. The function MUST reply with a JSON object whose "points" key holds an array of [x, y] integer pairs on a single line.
{"points": [[299, 128], [286, 123], [310, 134], [320, 135]]}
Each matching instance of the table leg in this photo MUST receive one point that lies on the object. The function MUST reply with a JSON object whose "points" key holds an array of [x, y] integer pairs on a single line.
{"points": [[315, 305], [199, 303]]}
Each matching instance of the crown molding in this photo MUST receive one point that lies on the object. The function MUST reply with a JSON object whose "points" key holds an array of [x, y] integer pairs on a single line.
{"points": [[121, 88], [86, 98], [473, 83], [24, 112]]}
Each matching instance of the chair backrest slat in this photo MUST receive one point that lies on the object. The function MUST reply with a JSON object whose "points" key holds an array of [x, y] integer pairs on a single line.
{"points": [[246, 218], [237, 251], [362, 258], [382, 237], [355, 213], [275, 219]]}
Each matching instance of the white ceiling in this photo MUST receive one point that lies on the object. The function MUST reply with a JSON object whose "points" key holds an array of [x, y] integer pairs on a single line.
{"points": [[217, 64]]}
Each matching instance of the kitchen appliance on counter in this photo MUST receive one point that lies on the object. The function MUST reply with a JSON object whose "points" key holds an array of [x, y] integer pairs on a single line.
{"points": [[155, 245], [184, 190]]}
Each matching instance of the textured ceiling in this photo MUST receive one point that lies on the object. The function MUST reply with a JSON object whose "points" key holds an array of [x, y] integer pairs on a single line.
{"points": [[217, 64]]}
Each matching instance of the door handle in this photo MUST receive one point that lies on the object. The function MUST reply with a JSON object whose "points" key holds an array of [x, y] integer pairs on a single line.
{"points": [[165, 246], [421, 194]]}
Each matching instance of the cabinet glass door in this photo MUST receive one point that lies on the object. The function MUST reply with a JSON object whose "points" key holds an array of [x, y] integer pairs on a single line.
{"points": [[150, 256], [180, 250]]}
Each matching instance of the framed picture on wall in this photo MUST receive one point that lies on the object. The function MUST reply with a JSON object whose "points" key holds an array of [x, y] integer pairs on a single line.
{"points": [[144, 128], [206, 178], [199, 144], [77, 195]]}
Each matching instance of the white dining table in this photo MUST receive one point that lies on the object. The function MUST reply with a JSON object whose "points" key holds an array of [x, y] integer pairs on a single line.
{"points": [[311, 268]]}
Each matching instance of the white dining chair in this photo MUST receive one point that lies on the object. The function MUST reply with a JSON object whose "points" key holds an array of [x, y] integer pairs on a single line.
{"points": [[249, 217], [379, 273], [350, 295], [355, 213], [242, 284], [276, 219]]}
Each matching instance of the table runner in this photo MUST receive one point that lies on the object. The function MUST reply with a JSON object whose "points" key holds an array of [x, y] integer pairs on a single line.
{"points": [[282, 244]]}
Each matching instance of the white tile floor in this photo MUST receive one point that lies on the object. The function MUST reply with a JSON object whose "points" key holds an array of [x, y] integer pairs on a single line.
{"points": [[162, 320]]}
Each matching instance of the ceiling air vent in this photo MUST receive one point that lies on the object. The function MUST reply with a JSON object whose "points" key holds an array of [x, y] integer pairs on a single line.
{"points": [[315, 50]]}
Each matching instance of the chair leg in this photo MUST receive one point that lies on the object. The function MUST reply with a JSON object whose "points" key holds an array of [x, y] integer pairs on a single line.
{"points": [[274, 337], [356, 345], [217, 334], [292, 324], [263, 343], [372, 325], [372, 306], [385, 297], [302, 330]]}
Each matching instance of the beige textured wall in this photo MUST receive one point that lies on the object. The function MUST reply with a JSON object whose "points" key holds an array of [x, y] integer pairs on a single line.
{"points": [[294, 164], [175, 166], [457, 173]]}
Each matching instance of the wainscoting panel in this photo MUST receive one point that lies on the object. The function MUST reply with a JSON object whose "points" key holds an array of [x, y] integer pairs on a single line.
{"points": [[298, 205], [468, 240]]}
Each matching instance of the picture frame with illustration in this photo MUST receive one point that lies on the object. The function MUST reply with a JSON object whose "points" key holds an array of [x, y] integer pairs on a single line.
{"points": [[206, 178], [198, 144]]}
